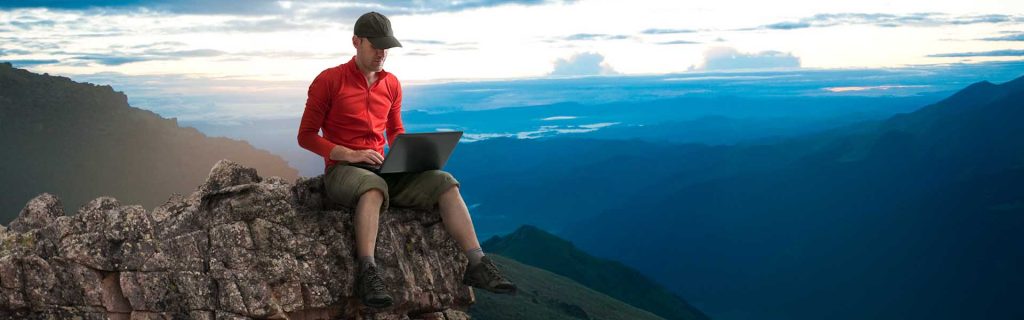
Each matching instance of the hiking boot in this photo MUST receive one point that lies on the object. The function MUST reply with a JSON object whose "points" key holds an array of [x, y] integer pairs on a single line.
{"points": [[370, 288], [485, 275]]}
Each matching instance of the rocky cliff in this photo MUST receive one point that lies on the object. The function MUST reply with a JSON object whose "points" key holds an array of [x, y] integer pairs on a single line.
{"points": [[239, 247]]}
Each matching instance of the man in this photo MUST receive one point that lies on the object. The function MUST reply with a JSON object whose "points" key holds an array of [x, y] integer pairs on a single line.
{"points": [[354, 103]]}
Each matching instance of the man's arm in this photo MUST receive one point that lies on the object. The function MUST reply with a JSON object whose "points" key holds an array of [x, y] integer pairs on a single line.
{"points": [[317, 101], [394, 125]]}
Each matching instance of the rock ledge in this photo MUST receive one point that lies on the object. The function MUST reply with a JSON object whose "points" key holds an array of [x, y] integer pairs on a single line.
{"points": [[239, 247]]}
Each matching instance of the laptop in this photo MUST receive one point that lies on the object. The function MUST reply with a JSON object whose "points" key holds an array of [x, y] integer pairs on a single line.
{"points": [[415, 152]]}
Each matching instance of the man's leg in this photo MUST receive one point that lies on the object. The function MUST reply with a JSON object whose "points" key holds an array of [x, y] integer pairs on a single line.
{"points": [[435, 187], [366, 193], [481, 271], [367, 221], [455, 216]]}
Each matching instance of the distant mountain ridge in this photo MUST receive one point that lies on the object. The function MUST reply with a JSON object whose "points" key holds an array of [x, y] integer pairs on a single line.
{"points": [[914, 217], [879, 219], [82, 141], [533, 246]]}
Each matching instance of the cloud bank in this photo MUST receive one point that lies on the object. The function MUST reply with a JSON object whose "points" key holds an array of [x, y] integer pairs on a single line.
{"points": [[727, 58], [582, 64]]}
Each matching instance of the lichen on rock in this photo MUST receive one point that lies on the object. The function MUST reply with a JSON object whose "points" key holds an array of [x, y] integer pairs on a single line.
{"points": [[239, 247]]}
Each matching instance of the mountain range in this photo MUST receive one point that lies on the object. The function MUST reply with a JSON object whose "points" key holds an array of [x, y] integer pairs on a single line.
{"points": [[913, 216], [81, 141]]}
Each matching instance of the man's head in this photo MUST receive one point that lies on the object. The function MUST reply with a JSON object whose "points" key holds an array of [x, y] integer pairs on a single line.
{"points": [[372, 38]]}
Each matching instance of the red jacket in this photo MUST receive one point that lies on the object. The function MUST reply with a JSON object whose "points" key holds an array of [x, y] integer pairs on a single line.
{"points": [[350, 113]]}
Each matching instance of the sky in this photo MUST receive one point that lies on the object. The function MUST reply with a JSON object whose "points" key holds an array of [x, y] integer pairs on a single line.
{"points": [[271, 50]]}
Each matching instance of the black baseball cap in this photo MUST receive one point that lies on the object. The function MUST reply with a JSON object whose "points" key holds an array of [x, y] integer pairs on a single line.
{"points": [[377, 28]]}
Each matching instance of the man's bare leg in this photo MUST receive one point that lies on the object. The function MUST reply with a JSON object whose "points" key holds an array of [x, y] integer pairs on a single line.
{"points": [[481, 271], [369, 286], [367, 221], [455, 216]]}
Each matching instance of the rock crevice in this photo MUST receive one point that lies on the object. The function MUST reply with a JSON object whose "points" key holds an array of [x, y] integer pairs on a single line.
{"points": [[239, 247]]}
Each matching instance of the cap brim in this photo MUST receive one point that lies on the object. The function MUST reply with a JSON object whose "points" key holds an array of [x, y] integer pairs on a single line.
{"points": [[385, 42]]}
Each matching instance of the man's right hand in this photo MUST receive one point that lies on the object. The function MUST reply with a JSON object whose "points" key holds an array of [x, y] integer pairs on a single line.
{"points": [[352, 156]]}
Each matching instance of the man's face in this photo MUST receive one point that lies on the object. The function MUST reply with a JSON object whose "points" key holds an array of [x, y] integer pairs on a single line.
{"points": [[369, 57]]}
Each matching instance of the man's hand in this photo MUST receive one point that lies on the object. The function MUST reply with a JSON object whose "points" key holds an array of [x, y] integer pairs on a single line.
{"points": [[352, 156]]}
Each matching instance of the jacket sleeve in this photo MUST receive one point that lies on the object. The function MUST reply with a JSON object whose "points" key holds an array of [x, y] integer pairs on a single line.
{"points": [[394, 125], [317, 102]]}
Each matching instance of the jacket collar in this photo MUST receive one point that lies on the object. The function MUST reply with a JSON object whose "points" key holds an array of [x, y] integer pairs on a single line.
{"points": [[354, 70]]}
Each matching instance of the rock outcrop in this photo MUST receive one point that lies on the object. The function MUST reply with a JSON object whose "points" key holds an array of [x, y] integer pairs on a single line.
{"points": [[239, 247]]}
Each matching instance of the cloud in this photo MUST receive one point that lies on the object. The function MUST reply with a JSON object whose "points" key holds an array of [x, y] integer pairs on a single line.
{"points": [[110, 60], [425, 47], [726, 58], [541, 132], [870, 88], [678, 42], [667, 31], [4, 52], [28, 25], [582, 64], [994, 53], [349, 9], [173, 6], [1010, 37], [925, 19], [595, 36], [195, 97], [552, 118], [428, 42], [119, 58], [788, 25], [30, 62], [988, 18], [158, 44], [255, 25], [419, 53], [183, 53]]}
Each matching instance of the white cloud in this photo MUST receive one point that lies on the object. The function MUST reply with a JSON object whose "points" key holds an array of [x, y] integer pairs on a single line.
{"points": [[726, 58], [582, 64], [558, 118], [643, 37]]}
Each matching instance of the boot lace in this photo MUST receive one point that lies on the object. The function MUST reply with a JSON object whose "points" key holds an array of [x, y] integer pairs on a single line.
{"points": [[492, 271], [374, 280]]}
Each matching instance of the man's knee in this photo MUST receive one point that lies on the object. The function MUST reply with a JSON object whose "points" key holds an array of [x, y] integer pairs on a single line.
{"points": [[372, 187], [441, 177], [450, 191], [349, 185], [376, 195], [444, 183]]}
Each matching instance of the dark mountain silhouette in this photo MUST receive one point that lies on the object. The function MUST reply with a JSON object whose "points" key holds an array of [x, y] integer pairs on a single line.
{"points": [[82, 141], [915, 217], [912, 217], [535, 247]]}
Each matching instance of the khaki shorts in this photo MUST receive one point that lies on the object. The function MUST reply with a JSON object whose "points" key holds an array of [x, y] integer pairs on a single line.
{"points": [[344, 185]]}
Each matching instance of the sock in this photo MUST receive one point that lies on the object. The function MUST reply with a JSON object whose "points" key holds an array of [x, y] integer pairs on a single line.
{"points": [[367, 260], [475, 255]]}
